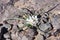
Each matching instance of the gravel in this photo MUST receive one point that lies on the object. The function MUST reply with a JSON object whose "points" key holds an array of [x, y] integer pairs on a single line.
{"points": [[13, 15]]}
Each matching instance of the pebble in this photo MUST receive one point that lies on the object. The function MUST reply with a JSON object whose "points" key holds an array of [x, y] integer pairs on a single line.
{"points": [[44, 27], [24, 38], [39, 37]]}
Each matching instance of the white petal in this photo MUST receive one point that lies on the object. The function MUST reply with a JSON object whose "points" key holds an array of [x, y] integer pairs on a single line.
{"points": [[27, 19], [32, 17]]}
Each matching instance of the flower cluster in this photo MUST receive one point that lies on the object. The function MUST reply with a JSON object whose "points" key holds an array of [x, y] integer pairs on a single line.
{"points": [[32, 20]]}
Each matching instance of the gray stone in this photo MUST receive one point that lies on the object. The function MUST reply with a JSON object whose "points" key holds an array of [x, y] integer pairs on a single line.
{"points": [[44, 27], [6, 35], [39, 37], [56, 21], [24, 38]]}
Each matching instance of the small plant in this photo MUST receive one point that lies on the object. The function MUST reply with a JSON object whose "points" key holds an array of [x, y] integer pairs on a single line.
{"points": [[32, 20]]}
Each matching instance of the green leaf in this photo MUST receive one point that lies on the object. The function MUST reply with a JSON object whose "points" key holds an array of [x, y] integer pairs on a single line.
{"points": [[28, 25]]}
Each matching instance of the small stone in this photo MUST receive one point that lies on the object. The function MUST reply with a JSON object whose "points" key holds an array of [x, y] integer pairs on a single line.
{"points": [[44, 27], [7, 39], [4, 1], [24, 38], [6, 35], [7, 26], [20, 25], [55, 21], [39, 37], [25, 28]]}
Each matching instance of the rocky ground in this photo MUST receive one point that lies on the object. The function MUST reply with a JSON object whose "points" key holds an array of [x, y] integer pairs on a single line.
{"points": [[29, 19]]}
